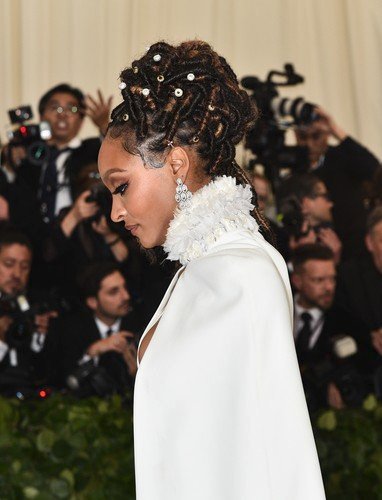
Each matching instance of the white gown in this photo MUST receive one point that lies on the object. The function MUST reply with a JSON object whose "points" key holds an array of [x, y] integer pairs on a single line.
{"points": [[219, 409]]}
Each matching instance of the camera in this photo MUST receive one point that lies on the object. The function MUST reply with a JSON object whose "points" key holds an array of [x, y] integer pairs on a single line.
{"points": [[31, 136], [341, 367], [267, 139], [20, 331], [23, 315], [89, 379], [100, 195]]}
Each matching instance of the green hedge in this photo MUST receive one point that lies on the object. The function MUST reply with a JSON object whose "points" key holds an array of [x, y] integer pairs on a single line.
{"points": [[81, 450]]}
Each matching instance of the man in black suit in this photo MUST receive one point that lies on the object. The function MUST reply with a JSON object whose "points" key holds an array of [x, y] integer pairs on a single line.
{"points": [[101, 334], [318, 327], [343, 168], [359, 290], [20, 348], [64, 108]]}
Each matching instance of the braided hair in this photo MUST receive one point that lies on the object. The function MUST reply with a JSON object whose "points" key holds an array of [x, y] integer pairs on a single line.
{"points": [[185, 95]]}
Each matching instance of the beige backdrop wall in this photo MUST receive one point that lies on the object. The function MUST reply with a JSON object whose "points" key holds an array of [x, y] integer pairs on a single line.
{"points": [[335, 44]]}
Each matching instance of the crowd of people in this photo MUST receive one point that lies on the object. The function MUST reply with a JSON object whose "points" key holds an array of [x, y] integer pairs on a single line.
{"points": [[75, 288], [76, 291]]}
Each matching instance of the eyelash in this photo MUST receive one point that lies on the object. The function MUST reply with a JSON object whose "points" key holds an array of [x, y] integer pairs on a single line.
{"points": [[121, 189]]}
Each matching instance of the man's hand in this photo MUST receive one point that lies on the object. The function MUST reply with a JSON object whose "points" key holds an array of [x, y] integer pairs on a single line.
{"points": [[328, 125], [41, 321], [334, 397], [99, 111], [5, 323], [130, 357], [330, 239], [376, 340], [4, 209], [81, 210], [116, 342]]}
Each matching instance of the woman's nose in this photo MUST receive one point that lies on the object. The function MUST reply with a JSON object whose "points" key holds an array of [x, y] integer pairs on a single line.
{"points": [[118, 211]]}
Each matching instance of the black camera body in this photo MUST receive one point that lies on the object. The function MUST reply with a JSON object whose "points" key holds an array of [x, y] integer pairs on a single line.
{"points": [[267, 139], [100, 195], [20, 331], [31, 136]]}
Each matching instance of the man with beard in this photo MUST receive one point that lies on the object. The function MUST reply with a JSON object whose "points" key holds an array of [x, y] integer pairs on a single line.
{"points": [[318, 325], [101, 334], [19, 353]]}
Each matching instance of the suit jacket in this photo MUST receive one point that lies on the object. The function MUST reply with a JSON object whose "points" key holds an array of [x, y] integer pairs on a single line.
{"points": [[359, 294], [345, 168], [87, 152], [68, 340], [335, 322]]}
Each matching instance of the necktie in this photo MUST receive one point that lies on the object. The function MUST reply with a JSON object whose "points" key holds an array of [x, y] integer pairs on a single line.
{"points": [[304, 335], [48, 191], [109, 332]]}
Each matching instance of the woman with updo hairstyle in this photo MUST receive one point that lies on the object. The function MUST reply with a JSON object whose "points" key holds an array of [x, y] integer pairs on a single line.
{"points": [[219, 408]]}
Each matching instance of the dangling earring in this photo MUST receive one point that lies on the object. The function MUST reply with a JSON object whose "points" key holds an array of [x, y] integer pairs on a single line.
{"points": [[183, 195]]}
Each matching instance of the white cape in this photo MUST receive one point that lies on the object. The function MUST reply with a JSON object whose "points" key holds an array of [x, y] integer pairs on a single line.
{"points": [[219, 409]]}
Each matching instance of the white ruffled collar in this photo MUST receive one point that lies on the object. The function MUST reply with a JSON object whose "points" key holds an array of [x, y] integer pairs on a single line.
{"points": [[218, 207]]}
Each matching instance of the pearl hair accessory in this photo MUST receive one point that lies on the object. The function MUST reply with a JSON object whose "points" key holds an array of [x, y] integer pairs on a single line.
{"points": [[145, 92], [178, 92], [122, 85], [135, 69], [160, 78], [157, 57], [190, 77], [125, 117], [182, 195], [210, 107]]}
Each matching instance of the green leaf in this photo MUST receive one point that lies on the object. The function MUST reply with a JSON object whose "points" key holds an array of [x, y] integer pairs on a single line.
{"points": [[103, 407], [68, 475], [327, 421], [60, 488], [30, 492], [45, 440], [370, 403], [16, 466]]}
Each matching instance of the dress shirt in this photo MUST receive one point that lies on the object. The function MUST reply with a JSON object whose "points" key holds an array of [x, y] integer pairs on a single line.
{"points": [[103, 329], [63, 196], [316, 322]]}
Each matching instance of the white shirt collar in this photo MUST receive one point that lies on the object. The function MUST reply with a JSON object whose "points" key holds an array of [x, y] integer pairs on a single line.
{"points": [[215, 209], [315, 312], [103, 328], [75, 143]]}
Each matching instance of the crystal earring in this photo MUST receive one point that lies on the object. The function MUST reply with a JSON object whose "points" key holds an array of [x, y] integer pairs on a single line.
{"points": [[182, 195]]}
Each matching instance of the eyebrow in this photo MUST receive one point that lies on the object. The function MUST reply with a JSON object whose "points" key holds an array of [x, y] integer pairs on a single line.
{"points": [[113, 171]]}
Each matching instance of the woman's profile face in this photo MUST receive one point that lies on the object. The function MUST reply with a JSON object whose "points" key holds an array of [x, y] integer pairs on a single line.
{"points": [[143, 197]]}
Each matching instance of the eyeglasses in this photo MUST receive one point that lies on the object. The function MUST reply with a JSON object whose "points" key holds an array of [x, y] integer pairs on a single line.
{"points": [[73, 110]]}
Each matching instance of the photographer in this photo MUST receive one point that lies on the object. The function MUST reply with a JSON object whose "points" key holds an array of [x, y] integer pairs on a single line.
{"points": [[306, 207], [331, 366], [96, 347], [343, 169], [64, 108], [21, 336], [84, 233], [359, 290]]}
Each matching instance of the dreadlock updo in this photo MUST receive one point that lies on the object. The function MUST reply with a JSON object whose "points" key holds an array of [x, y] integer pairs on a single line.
{"points": [[185, 95]]}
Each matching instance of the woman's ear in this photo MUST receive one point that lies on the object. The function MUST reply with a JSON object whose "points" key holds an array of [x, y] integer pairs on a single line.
{"points": [[179, 163]]}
